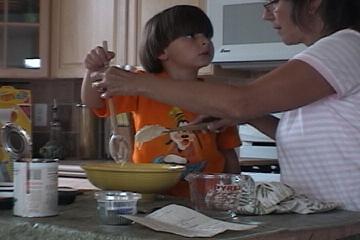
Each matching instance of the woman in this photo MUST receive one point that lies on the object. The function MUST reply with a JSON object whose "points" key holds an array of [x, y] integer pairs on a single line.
{"points": [[318, 137]]}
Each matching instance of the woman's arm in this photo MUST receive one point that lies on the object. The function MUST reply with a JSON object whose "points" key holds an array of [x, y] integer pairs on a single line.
{"points": [[288, 87], [266, 124]]}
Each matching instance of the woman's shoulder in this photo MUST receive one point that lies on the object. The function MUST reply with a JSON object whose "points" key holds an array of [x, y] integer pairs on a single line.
{"points": [[342, 41], [337, 58], [345, 34], [342, 37]]}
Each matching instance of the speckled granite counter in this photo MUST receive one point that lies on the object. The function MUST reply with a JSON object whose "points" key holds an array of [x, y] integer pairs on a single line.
{"points": [[79, 221]]}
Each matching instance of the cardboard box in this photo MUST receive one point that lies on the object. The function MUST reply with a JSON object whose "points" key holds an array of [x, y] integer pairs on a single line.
{"points": [[15, 107]]}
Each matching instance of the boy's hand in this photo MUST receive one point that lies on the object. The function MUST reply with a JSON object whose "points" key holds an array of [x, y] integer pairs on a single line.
{"points": [[97, 59]]}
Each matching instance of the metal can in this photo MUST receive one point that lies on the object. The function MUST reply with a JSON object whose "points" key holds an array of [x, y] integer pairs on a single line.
{"points": [[89, 144], [36, 188]]}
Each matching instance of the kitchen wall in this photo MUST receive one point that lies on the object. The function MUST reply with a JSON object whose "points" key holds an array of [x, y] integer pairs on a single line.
{"points": [[67, 94]]}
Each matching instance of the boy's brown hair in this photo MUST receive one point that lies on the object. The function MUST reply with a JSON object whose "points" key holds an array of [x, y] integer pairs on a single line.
{"points": [[168, 25]]}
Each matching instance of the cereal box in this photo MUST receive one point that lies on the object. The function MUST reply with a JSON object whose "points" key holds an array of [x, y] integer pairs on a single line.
{"points": [[15, 107]]}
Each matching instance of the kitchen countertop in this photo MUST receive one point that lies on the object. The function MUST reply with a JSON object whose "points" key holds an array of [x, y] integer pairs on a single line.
{"points": [[79, 221]]}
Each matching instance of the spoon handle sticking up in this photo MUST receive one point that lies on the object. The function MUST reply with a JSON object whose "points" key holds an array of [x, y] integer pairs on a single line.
{"points": [[113, 120], [118, 145]]}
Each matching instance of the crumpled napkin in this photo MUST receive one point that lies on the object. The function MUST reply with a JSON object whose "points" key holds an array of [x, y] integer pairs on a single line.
{"points": [[276, 197]]}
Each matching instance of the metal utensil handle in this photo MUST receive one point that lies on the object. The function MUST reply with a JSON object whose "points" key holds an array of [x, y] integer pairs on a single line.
{"points": [[195, 127], [203, 125], [110, 100], [105, 47], [113, 120]]}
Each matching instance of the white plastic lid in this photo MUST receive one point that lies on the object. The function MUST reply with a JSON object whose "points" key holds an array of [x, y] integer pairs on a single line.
{"points": [[117, 196]]}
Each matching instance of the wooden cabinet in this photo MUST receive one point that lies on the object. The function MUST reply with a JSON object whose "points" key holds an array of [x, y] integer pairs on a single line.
{"points": [[77, 27], [80, 25], [24, 38]]}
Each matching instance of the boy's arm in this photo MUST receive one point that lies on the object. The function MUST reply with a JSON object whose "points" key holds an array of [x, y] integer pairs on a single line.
{"points": [[96, 62], [89, 95], [232, 164]]}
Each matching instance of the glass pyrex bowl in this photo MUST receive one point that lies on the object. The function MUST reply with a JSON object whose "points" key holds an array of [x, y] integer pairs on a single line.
{"points": [[216, 195], [112, 204]]}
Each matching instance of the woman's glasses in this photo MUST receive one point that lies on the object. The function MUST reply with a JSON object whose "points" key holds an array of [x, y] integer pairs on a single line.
{"points": [[270, 5]]}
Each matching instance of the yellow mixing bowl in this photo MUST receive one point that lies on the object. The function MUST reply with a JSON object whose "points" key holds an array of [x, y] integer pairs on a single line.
{"points": [[145, 178]]}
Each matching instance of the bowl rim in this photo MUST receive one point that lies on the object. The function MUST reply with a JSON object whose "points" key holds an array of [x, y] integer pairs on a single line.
{"points": [[193, 176], [142, 167]]}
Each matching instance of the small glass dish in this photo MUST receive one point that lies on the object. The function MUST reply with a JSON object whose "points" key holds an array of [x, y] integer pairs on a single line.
{"points": [[112, 204]]}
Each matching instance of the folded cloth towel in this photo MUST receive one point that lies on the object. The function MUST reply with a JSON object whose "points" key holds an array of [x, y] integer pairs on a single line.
{"points": [[302, 204], [275, 197]]}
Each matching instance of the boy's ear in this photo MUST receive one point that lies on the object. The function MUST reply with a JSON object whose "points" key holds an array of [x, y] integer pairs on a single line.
{"points": [[163, 56]]}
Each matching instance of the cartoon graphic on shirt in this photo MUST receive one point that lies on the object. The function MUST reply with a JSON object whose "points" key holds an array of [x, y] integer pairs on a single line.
{"points": [[184, 146]]}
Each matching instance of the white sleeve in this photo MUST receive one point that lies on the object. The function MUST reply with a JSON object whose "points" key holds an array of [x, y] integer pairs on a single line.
{"points": [[337, 59]]}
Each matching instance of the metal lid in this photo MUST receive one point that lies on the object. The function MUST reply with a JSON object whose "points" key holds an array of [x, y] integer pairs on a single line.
{"points": [[16, 141]]}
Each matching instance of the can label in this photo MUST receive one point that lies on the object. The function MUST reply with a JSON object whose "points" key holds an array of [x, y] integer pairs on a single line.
{"points": [[36, 188]]}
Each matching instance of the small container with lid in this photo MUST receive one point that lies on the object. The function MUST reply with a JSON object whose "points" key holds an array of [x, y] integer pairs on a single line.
{"points": [[112, 204]]}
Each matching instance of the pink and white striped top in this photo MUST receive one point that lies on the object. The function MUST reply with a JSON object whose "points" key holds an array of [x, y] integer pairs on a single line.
{"points": [[319, 144]]}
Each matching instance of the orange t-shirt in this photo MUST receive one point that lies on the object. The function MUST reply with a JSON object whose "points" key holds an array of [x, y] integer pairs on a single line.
{"points": [[197, 150]]}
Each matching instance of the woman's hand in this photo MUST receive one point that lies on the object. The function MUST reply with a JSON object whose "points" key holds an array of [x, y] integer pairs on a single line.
{"points": [[221, 124], [117, 81], [214, 124], [98, 59]]}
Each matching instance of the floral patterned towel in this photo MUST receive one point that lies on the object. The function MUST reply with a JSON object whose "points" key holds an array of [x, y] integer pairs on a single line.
{"points": [[275, 197]]}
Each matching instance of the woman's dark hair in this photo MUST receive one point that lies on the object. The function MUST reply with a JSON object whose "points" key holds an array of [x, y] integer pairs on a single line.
{"points": [[336, 14], [166, 26]]}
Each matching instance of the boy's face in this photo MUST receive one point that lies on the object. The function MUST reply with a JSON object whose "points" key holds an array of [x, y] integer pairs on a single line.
{"points": [[192, 51]]}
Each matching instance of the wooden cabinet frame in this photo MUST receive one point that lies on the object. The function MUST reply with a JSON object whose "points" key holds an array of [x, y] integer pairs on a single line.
{"points": [[43, 49]]}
